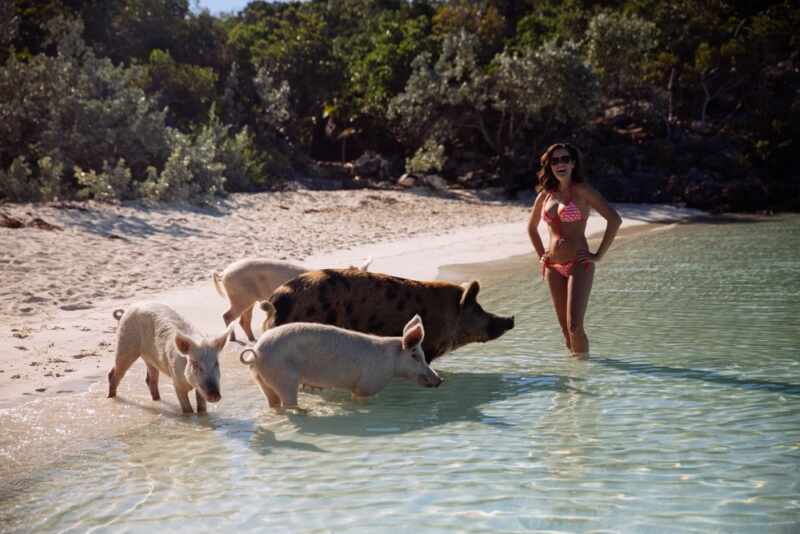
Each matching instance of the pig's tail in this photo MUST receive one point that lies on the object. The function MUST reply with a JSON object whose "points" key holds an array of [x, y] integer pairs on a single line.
{"points": [[246, 361]]}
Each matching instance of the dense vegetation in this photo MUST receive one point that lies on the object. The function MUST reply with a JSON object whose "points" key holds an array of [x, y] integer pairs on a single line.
{"points": [[692, 101]]}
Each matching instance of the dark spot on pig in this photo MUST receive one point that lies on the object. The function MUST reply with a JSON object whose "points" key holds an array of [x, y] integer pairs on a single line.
{"points": [[363, 299], [401, 304], [391, 293], [311, 311], [283, 307], [336, 278], [418, 299], [332, 317], [324, 301], [349, 308]]}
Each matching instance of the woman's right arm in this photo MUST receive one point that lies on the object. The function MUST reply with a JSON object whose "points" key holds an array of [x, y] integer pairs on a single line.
{"points": [[533, 224]]}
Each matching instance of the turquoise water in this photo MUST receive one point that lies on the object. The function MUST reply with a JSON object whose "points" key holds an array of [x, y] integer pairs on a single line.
{"points": [[685, 419]]}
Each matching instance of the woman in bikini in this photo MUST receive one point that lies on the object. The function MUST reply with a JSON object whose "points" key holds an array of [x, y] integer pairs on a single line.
{"points": [[564, 202]]}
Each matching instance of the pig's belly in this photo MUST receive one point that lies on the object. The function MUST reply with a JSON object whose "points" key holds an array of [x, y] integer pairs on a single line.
{"points": [[328, 375]]}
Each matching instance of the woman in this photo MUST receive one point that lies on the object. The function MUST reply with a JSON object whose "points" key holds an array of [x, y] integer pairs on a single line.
{"points": [[564, 202]]}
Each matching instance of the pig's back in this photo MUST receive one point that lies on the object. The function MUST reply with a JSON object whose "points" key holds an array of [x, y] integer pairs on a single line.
{"points": [[366, 302], [154, 325]]}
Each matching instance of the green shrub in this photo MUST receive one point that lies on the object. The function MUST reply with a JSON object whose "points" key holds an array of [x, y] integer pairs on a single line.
{"points": [[109, 184], [429, 157]]}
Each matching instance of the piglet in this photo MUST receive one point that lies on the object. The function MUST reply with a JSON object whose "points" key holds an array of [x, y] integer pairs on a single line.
{"points": [[325, 356], [170, 345]]}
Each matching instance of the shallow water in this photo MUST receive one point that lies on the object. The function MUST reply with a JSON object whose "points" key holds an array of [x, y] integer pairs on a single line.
{"points": [[685, 419]]}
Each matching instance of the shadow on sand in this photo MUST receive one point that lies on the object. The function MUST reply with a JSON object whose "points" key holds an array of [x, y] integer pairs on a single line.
{"points": [[123, 227]]}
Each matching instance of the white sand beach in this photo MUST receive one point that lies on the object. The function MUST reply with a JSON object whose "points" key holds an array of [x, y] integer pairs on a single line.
{"points": [[70, 265]]}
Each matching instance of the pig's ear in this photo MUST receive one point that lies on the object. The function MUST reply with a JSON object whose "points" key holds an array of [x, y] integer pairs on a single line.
{"points": [[218, 343], [414, 336], [414, 320], [470, 293], [184, 344]]}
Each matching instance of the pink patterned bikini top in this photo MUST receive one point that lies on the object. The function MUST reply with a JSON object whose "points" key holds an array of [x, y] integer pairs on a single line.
{"points": [[567, 213]]}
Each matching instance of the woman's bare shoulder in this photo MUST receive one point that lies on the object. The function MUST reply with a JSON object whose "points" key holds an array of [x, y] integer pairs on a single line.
{"points": [[582, 188]]}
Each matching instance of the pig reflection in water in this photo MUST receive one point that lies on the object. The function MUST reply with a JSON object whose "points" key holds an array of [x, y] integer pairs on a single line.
{"points": [[325, 356], [170, 345], [380, 304]]}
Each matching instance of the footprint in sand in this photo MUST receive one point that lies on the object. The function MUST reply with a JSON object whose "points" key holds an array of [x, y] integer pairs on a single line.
{"points": [[73, 307]]}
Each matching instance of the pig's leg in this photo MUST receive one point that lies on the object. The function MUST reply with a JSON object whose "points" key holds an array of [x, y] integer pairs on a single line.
{"points": [[201, 402], [127, 353], [287, 391], [183, 398], [245, 319], [152, 382], [230, 316], [273, 399]]}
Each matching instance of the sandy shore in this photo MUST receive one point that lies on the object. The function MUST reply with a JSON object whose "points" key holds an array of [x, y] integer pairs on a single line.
{"points": [[70, 265]]}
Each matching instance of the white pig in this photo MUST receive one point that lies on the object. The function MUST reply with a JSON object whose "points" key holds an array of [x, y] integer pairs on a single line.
{"points": [[325, 356], [170, 345], [252, 279]]}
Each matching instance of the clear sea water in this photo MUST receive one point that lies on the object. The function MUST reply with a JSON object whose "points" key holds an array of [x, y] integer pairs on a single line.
{"points": [[686, 418]]}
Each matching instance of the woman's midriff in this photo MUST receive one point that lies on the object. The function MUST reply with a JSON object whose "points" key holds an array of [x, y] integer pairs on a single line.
{"points": [[565, 247]]}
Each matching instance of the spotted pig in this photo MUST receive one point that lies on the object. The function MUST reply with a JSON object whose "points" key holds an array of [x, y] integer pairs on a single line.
{"points": [[380, 304]]}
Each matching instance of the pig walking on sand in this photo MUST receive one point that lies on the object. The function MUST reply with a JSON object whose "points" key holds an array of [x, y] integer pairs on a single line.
{"points": [[247, 281], [252, 279], [324, 356], [170, 345]]}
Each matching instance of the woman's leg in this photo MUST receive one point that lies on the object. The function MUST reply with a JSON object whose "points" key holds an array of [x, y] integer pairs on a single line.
{"points": [[558, 292], [580, 285]]}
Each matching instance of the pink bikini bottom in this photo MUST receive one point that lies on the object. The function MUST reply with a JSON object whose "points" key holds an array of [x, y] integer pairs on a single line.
{"points": [[564, 269]]}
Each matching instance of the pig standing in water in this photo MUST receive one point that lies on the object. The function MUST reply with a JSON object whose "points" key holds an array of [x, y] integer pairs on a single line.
{"points": [[170, 345], [380, 304], [324, 356]]}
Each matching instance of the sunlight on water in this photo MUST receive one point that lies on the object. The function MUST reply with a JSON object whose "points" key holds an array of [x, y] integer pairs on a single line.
{"points": [[686, 418]]}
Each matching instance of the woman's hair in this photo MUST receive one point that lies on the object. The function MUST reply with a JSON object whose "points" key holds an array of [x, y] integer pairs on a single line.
{"points": [[548, 180]]}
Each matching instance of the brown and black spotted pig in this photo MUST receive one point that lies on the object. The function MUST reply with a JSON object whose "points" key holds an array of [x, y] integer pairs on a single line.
{"points": [[380, 304]]}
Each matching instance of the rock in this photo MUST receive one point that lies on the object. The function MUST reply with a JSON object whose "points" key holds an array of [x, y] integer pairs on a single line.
{"points": [[407, 181], [434, 181], [372, 165]]}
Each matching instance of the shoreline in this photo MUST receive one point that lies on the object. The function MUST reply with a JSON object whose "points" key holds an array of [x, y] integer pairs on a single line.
{"points": [[413, 234]]}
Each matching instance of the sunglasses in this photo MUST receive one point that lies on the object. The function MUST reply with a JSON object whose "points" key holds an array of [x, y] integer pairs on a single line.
{"points": [[555, 160]]}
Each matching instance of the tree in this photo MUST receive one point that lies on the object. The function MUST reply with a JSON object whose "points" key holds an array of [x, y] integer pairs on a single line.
{"points": [[618, 48], [547, 89]]}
